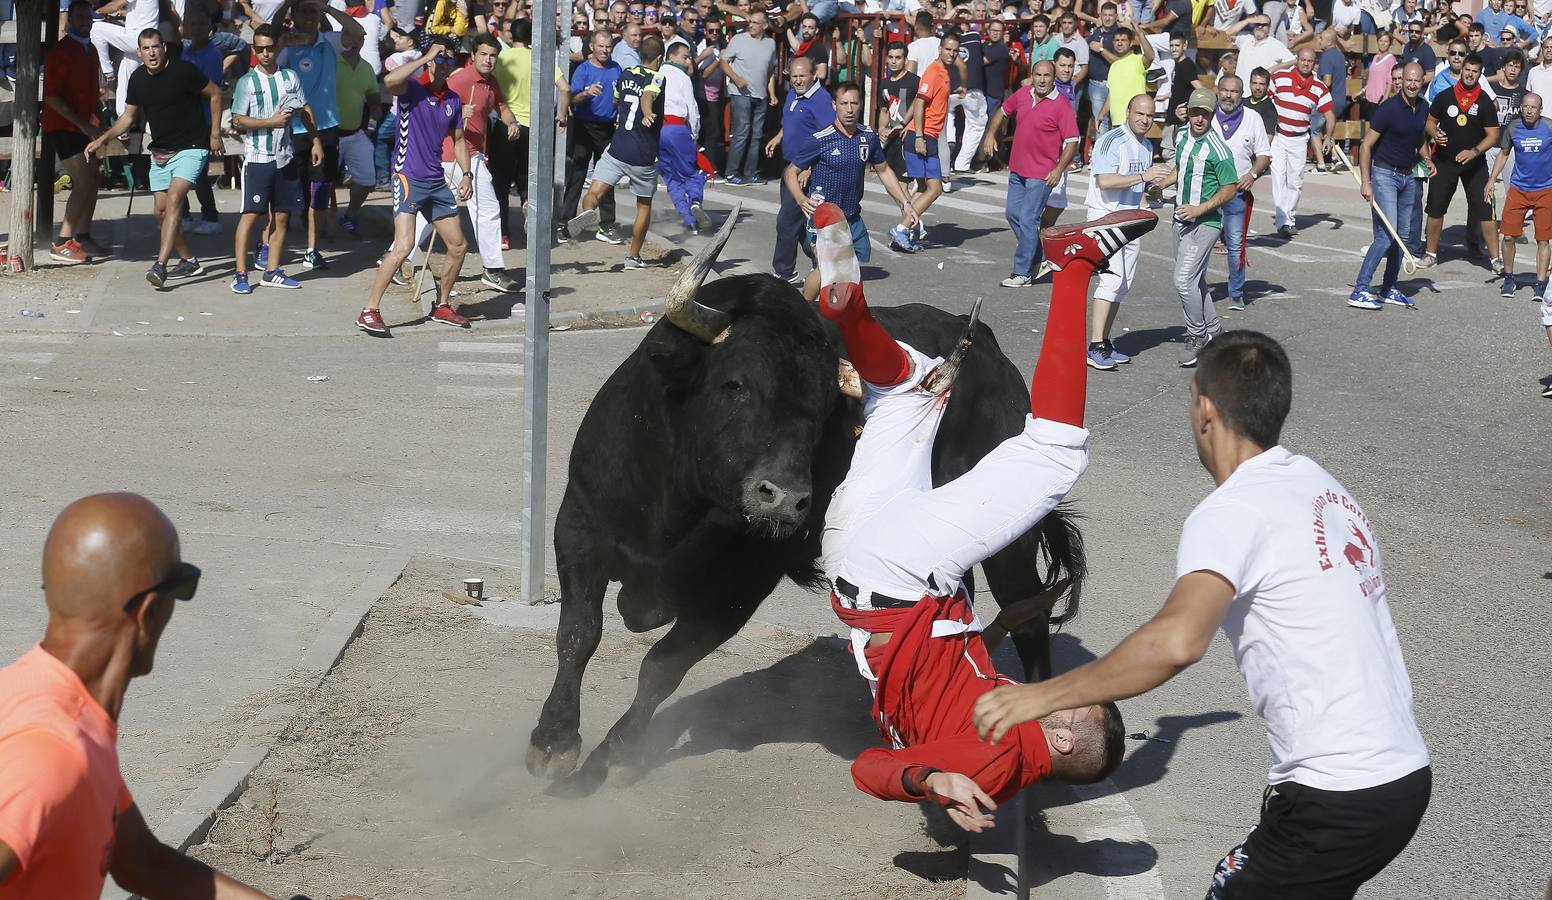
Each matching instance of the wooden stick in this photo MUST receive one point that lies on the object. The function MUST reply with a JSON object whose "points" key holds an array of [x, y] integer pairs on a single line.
{"points": [[1408, 261]]}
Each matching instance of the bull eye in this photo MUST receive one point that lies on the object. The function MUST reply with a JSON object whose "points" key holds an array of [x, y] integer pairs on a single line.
{"points": [[732, 385]]}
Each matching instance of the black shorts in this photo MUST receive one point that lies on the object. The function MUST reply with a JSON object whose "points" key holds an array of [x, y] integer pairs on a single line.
{"points": [[67, 143], [894, 154], [266, 187], [1441, 189], [1322, 845], [329, 170]]}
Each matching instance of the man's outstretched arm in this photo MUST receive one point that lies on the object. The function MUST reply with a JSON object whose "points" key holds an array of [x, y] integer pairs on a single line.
{"points": [[1174, 639], [885, 775], [144, 865]]}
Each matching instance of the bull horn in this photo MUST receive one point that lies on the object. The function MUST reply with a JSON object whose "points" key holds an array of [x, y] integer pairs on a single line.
{"points": [[683, 310], [942, 378]]}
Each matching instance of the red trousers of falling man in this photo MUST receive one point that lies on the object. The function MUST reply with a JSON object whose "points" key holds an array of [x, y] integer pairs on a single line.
{"points": [[896, 548]]}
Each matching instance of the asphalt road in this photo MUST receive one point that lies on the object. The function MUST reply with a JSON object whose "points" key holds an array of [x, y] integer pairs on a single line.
{"points": [[288, 490]]}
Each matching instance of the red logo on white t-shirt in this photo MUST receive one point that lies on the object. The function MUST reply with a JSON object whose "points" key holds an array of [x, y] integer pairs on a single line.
{"points": [[1339, 519]]}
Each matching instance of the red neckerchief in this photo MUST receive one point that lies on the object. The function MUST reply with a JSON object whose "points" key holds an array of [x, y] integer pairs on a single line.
{"points": [[1464, 100]]}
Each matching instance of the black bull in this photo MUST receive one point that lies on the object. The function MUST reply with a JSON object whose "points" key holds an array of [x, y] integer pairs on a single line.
{"points": [[700, 477]]}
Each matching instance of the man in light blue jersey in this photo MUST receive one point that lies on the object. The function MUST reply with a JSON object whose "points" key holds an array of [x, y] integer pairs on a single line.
{"points": [[1124, 173], [264, 104]]}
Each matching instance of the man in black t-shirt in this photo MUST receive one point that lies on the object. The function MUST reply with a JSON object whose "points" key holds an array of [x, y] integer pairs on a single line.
{"points": [[1463, 122], [632, 153], [171, 93], [995, 58], [806, 41], [974, 101], [896, 93], [1181, 84]]}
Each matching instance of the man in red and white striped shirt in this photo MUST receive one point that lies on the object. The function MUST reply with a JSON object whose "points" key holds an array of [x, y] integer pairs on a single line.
{"points": [[1298, 95]]}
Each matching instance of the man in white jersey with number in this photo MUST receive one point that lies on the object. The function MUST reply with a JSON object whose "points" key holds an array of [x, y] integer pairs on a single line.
{"points": [[263, 104], [1283, 559]]}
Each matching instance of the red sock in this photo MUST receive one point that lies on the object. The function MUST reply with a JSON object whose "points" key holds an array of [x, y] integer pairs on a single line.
{"points": [[1060, 386], [873, 353]]}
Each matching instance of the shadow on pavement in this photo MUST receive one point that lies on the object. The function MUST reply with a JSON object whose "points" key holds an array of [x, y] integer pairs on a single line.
{"points": [[952, 234], [813, 696], [1146, 339]]}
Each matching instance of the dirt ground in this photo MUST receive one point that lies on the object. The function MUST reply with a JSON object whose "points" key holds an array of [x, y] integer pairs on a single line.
{"points": [[403, 774]]}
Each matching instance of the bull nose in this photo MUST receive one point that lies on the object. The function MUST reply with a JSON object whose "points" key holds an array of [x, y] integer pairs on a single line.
{"points": [[766, 498]]}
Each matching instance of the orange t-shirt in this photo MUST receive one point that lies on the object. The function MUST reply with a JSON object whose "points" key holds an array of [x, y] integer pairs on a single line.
{"points": [[934, 93], [60, 789]]}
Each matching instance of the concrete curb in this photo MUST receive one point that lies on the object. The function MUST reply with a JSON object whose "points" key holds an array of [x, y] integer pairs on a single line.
{"points": [[191, 821], [994, 855]]}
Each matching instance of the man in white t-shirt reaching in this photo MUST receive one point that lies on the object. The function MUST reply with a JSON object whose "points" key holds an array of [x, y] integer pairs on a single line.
{"points": [[1284, 560]]}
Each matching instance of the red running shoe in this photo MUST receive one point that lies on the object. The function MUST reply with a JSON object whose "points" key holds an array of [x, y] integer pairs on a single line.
{"points": [[443, 313], [371, 321], [1096, 240], [840, 278]]}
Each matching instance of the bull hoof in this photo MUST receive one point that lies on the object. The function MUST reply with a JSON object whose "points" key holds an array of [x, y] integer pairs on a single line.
{"points": [[552, 763], [623, 775], [584, 783]]}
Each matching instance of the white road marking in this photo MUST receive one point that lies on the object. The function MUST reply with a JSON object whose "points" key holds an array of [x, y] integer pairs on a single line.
{"points": [[478, 392], [27, 359], [479, 347], [743, 196], [499, 370], [449, 521], [39, 338], [1108, 817]]}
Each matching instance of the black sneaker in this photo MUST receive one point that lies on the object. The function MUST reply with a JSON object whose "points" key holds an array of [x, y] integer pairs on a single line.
{"points": [[561, 237], [186, 268], [609, 234], [501, 281], [1547, 392], [157, 275]]}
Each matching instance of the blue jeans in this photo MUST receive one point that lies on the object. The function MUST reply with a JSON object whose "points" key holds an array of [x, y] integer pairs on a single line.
{"points": [[825, 10], [386, 129], [1396, 194], [1142, 11], [1413, 232], [1099, 92], [748, 127], [1234, 239], [1026, 204], [1366, 23], [789, 232]]}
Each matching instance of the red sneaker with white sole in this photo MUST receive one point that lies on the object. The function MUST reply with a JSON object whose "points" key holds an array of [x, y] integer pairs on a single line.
{"points": [[371, 321], [443, 313], [840, 277], [1096, 240]]}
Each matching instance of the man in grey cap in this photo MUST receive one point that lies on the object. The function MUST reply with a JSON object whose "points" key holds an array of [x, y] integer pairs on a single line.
{"points": [[1205, 179]]}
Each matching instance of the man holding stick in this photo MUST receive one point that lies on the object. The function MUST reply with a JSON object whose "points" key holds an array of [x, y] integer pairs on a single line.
{"points": [[427, 114], [1395, 140]]}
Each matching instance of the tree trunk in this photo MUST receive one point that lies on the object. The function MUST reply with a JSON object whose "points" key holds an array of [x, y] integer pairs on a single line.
{"points": [[29, 57]]}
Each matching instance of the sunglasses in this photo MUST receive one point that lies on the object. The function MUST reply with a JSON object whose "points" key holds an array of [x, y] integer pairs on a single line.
{"points": [[182, 582], [1457, 53], [650, 17], [264, 48]]}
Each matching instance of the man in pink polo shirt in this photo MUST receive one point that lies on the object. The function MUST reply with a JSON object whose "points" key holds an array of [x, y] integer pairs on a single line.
{"points": [[1045, 140]]}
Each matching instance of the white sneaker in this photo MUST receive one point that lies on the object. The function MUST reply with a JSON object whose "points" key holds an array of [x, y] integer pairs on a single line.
{"points": [[1017, 281]]}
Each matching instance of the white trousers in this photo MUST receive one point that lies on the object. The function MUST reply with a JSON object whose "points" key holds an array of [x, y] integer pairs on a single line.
{"points": [[1116, 280], [974, 105], [484, 214], [107, 36], [1288, 156], [889, 531]]}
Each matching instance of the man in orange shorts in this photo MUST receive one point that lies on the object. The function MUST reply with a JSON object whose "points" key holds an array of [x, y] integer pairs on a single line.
{"points": [[1529, 139], [111, 569]]}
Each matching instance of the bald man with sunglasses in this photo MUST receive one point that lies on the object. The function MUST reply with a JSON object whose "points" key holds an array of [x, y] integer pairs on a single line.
{"points": [[111, 573]]}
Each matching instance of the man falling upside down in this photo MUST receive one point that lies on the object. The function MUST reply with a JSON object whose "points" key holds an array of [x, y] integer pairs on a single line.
{"points": [[896, 549]]}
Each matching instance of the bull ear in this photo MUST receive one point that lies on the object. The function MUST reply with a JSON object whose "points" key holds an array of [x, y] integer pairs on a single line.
{"points": [[674, 353]]}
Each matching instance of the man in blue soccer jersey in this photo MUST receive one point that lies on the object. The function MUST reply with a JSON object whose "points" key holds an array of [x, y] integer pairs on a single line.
{"points": [[831, 167]]}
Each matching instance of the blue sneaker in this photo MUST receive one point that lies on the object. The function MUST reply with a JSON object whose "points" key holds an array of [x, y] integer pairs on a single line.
{"points": [[276, 278], [1115, 354], [734, 181], [1364, 300], [262, 260], [900, 239], [1099, 359], [1396, 298], [240, 284], [1509, 286]]}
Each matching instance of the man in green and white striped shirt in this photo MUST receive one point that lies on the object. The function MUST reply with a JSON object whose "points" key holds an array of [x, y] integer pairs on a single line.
{"points": [[263, 104], [1205, 179]]}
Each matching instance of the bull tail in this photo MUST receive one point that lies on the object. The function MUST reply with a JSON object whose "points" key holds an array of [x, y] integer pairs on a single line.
{"points": [[1062, 551]]}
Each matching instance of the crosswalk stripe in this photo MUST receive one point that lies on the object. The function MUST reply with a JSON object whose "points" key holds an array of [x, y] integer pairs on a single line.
{"points": [[479, 347], [27, 359], [500, 370], [39, 338], [478, 392], [743, 196]]}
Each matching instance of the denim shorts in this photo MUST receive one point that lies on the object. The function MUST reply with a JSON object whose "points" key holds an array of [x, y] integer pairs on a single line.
{"points": [[861, 244], [185, 164]]}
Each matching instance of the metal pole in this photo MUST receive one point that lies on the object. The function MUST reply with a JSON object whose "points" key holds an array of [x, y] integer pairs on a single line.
{"points": [[45, 169], [536, 333]]}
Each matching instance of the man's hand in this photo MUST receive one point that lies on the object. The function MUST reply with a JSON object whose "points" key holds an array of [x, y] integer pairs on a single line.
{"points": [[514, 131], [1440, 139], [1180, 112], [1432, 169], [809, 206], [1367, 192], [1055, 178], [919, 146], [1188, 212], [803, 177], [465, 187], [1488, 194], [1158, 174], [966, 804], [317, 154], [468, 114], [593, 90], [741, 83], [1466, 156], [1000, 710], [94, 146], [910, 214], [217, 146], [1246, 183], [770, 147]]}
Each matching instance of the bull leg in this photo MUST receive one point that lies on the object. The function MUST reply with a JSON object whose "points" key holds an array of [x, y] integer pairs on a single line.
{"points": [[1012, 576], [688, 642], [556, 743]]}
